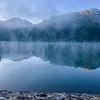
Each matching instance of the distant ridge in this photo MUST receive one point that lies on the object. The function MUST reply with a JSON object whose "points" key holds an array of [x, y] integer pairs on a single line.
{"points": [[90, 11], [93, 13], [86, 11], [16, 22], [80, 26]]}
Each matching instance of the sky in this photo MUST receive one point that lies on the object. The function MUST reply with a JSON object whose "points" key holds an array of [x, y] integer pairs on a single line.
{"points": [[37, 10]]}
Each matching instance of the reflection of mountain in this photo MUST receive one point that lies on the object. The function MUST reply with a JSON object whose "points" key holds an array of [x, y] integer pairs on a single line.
{"points": [[84, 55], [77, 56]]}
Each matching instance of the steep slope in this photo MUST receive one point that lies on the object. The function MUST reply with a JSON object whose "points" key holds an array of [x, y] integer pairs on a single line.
{"points": [[92, 13], [75, 26]]}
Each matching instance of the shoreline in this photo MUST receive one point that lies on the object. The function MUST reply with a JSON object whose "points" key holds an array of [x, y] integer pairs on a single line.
{"points": [[27, 95]]}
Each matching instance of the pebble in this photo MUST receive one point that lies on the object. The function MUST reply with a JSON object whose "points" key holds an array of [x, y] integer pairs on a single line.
{"points": [[26, 95]]}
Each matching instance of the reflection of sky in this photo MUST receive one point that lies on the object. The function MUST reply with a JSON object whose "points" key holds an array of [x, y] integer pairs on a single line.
{"points": [[38, 75]]}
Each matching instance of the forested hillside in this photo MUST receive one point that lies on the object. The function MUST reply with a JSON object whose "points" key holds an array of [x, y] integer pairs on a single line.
{"points": [[75, 26]]}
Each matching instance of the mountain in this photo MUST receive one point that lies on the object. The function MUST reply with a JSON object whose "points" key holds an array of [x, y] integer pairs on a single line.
{"points": [[15, 23], [80, 26], [92, 13]]}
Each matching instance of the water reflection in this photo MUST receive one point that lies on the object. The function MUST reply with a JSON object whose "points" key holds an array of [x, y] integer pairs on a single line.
{"points": [[78, 55], [34, 74], [84, 55]]}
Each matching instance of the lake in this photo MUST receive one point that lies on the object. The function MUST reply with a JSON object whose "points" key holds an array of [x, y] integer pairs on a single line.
{"points": [[50, 67]]}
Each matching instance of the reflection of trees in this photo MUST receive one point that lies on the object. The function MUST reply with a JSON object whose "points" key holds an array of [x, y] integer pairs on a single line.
{"points": [[51, 53], [85, 55], [88, 58], [0, 51], [79, 56]]}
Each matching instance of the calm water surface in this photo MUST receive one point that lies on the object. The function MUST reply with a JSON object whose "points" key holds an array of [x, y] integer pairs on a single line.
{"points": [[50, 67]]}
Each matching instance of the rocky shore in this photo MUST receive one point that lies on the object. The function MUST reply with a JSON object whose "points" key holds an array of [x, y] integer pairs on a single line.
{"points": [[26, 95]]}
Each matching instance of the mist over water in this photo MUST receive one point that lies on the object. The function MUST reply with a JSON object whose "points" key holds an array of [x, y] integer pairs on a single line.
{"points": [[50, 67], [59, 53]]}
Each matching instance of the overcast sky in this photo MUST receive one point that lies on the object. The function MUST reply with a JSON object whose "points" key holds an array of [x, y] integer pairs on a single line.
{"points": [[37, 10]]}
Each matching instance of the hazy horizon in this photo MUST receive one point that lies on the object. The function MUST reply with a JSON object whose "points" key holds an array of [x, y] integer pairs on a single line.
{"points": [[37, 11], [38, 22]]}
